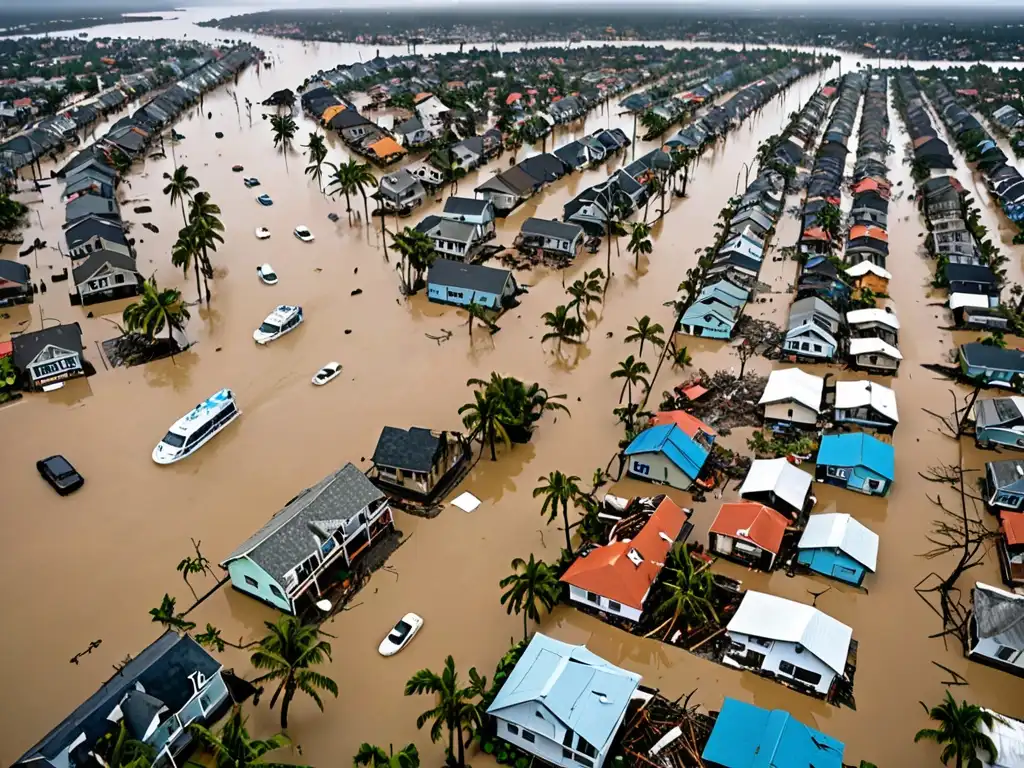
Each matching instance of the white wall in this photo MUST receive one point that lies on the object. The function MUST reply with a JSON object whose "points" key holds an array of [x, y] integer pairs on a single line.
{"points": [[778, 652], [988, 647], [801, 414], [581, 596]]}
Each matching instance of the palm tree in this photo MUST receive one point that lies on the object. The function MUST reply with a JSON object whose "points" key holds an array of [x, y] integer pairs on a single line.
{"points": [[639, 241], [689, 596], [342, 181], [284, 128], [454, 711], [521, 406], [185, 253], [362, 178], [558, 490], [479, 312], [233, 748], [206, 226], [417, 252], [960, 732], [121, 162], [375, 757], [682, 159], [487, 416], [180, 186], [645, 330], [612, 226], [156, 310], [585, 291], [531, 583], [563, 326], [317, 154], [118, 749], [633, 372], [288, 654]]}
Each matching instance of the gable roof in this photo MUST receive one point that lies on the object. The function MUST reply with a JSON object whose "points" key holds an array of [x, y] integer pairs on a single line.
{"points": [[858, 449], [95, 260], [610, 571], [466, 206], [514, 180], [473, 277], [1012, 525], [413, 449], [776, 618], [838, 531], [85, 229], [288, 537], [873, 346], [687, 422], [586, 693], [550, 228], [678, 447], [794, 384], [780, 477], [812, 304], [873, 315], [987, 356], [753, 522], [27, 346], [999, 615], [816, 330], [864, 267], [14, 272], [857, 394]]}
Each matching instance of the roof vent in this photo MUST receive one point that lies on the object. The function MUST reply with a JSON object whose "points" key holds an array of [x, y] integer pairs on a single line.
{"points": [[665, 536], [635, 557], [744, 533]]}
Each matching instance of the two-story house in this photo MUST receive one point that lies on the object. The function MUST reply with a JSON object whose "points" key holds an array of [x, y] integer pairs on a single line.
{"points": [[50, 356], [400, 190]]}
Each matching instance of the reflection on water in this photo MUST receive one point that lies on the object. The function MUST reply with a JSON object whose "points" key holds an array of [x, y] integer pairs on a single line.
{"points": [[92, 565]]}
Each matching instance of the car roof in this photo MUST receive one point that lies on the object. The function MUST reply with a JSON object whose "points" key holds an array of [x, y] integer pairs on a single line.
{"points": [[59, 463], [281, 313]]}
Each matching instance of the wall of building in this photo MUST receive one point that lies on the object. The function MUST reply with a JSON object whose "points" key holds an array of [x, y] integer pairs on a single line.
{"points": [[603, 603], [988, 648], [834, 564], [243, 569], [657, 468], [790, 411], [783, 653], [462, 296]]}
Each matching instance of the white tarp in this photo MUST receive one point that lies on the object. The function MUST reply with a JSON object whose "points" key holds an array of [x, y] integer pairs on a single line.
{"points": [[873, 347], [467, 502], [862, 316]]}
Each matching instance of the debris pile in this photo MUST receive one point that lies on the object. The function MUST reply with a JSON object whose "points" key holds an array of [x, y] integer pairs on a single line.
{"points": [[663, 733], [729, 401]]}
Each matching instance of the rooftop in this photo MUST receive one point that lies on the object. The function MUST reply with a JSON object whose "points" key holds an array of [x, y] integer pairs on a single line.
{"points": [[858, 449], [753, 522], [413, 449], [838, 531]]}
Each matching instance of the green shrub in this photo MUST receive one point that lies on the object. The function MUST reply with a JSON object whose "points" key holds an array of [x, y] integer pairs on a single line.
{"points": [[489, 747]]}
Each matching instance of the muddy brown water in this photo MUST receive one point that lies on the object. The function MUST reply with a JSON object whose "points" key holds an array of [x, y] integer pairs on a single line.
{"points": [[90, 566]]}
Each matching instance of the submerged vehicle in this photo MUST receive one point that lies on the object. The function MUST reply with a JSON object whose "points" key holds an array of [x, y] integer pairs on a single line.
{"points": [[198, 426], [264, 199], [328, 373], [283, 319], [262, 233], [266, 273], [400, 635], [251, 181], [302, 232], [58, 472]]}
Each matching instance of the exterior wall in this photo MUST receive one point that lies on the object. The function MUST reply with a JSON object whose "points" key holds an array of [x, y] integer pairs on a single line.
{"points": [[834, 564], [242, 568], [741, 551], [58, 369], [987, 648], [198, 709], [502, 201], [853, 478], [873, 282], [778, 652], [603, 603], [462, 296], [790, 412], [876, 362], [804, 346], [864, 416], [107, 287], [657, 468], [1001, 436], [548, 735]]}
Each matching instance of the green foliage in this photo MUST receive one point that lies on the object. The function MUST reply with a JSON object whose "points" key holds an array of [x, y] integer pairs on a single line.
{"points": [[959, 732], [766, 445], [417, 252], [375, 757], [180, 186], [456, 709], [166, 615], [564, 327], [155, 310], [686, 593], [645, 331], [232, 747], [12, 213], [639, 241], [558, 490], [531, 586], [316, 152]]}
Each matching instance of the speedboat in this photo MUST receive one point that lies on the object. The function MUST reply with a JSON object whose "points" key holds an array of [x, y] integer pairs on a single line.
{"points": [[400, 635], [329, 372], [302, 232], [262, 233], [282, 320], [251, 181], [197, 427], [264, 199], [266, 273]]}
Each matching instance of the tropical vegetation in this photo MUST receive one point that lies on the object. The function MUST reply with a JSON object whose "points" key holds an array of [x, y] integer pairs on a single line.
{"points": [[959, 732], [454, 710], [180, 186], [232, 747], [155, 310], [532, 585], [558, 490], [686, 592], [507, 410], [417, 252]]}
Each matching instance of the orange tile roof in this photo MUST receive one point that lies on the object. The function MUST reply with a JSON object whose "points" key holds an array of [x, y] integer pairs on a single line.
{"points": [[421, 96], [687, 422], [871, 184], [386, 147], [869, 230], [752, 522], [922, 140], [608, 570], [513, 98], [816, 233], [331, 111], [1012, 524]]}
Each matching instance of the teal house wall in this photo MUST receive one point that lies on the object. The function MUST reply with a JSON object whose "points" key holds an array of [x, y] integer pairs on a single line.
{"points": [[243, 570]]}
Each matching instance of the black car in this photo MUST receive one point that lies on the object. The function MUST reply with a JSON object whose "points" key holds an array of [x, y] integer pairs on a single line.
{"points": [[58, 472]]}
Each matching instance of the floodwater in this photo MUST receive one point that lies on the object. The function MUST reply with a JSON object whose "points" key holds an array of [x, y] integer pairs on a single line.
{"points": [[89, 567]]}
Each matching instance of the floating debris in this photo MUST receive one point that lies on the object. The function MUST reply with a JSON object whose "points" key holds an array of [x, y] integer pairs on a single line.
{"points": [[151, 227], [143, 209], [356, 292]]}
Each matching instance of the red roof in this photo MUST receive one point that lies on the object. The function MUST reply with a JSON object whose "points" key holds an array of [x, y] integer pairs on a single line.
{"points": [[6, 348], [871, 184], [1012, 524], [687, 422], [967, 91], [749, 521], [694, 391], [610, 571], [26, 102], [513, 98], [816, 233], [828, 91], [869, 230]]}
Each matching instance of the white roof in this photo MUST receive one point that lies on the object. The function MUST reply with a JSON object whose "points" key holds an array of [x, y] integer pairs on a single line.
{"points": [[873, 347], [776, 618], [857, 394], [794, 384], [859, 270], [858, 316], [838, 531], [202, 413], [789, 483], [281, 314], [1008, 736], [958, 300]]}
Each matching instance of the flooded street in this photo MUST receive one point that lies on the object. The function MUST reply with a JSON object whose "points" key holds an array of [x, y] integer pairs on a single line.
{"points": [[91, 566]]}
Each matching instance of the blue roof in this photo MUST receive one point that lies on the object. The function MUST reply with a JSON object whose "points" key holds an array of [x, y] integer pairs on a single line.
{"points": [[746, 736], [681, 449], [585, 692], [858, 449]]}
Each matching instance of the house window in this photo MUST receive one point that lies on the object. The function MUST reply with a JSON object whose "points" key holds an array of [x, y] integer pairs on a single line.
{"points": [[1004, 653], [514, 730], [805, 347], [874, 485], [567, 754], [528, 736], [806, 676], [786, 668], [613, 606], [119, 278], [817, 347], [840, 473], [586, 748], [790, 412], [252, 582], [761, 641], [593, 598], [204, 703], [276, 592]]}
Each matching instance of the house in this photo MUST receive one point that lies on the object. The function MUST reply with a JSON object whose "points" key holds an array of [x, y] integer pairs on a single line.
{"points": [[808, 340], [874, 355], [384, 150], [86, 234], [999, 421], [815, 311], [563, 703], [752, 221], [749, 533], [412, 133], [792, 397], [997, 629], [868, 242], [415, 461], [432, 111], [351, 125], [874, 323], [747, 736], [1011, 548], [431, 177], [51, 355], [870, 277], [545, 168], [715, 311], [838, 546], [87, 185], [554, 238], [15, 283], [617, 577], [576, 155], [999, 367], [974, 280], [667, 454], [866, 404], [1004, 483], [736, 267], [508, 189], [1007, 734], [453, 239], [157, 694], [452, 282], [400, 191], [856, 461], [745, 243], [105, 275], [779, 485], [793, 641], [292, 560]]}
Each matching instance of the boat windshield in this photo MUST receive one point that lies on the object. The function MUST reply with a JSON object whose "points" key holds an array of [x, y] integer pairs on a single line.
{"points": [[174, 440], [269, 328]]}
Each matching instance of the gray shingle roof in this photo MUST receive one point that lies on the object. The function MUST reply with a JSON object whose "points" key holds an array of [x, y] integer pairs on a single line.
{"points": [[287, 539], [472, 277], [465, 206], [97, 259], [14, 272], [548, 228], [414, 449], [999, 616], [28, 345]]}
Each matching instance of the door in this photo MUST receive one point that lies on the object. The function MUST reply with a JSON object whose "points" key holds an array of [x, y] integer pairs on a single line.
{"points": [[723, 545], [843, 573]]}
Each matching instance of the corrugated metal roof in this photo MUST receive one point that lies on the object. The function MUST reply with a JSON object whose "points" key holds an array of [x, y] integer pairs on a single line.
{"points": [[838, 531]]}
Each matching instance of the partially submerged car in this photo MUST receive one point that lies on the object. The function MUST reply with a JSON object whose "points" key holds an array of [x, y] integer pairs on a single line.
{"points": [[302, 232], [262, 233], [58, 472], [400, 635], [284, 319], [264, 199], [251, 182], [328, 373], [266, 273]]}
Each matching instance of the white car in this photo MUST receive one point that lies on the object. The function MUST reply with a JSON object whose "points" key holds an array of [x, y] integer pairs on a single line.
{"points": [[262, 233], [327, 373], [282, 320], [303, 233], [266, 273], [399, 637]]}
